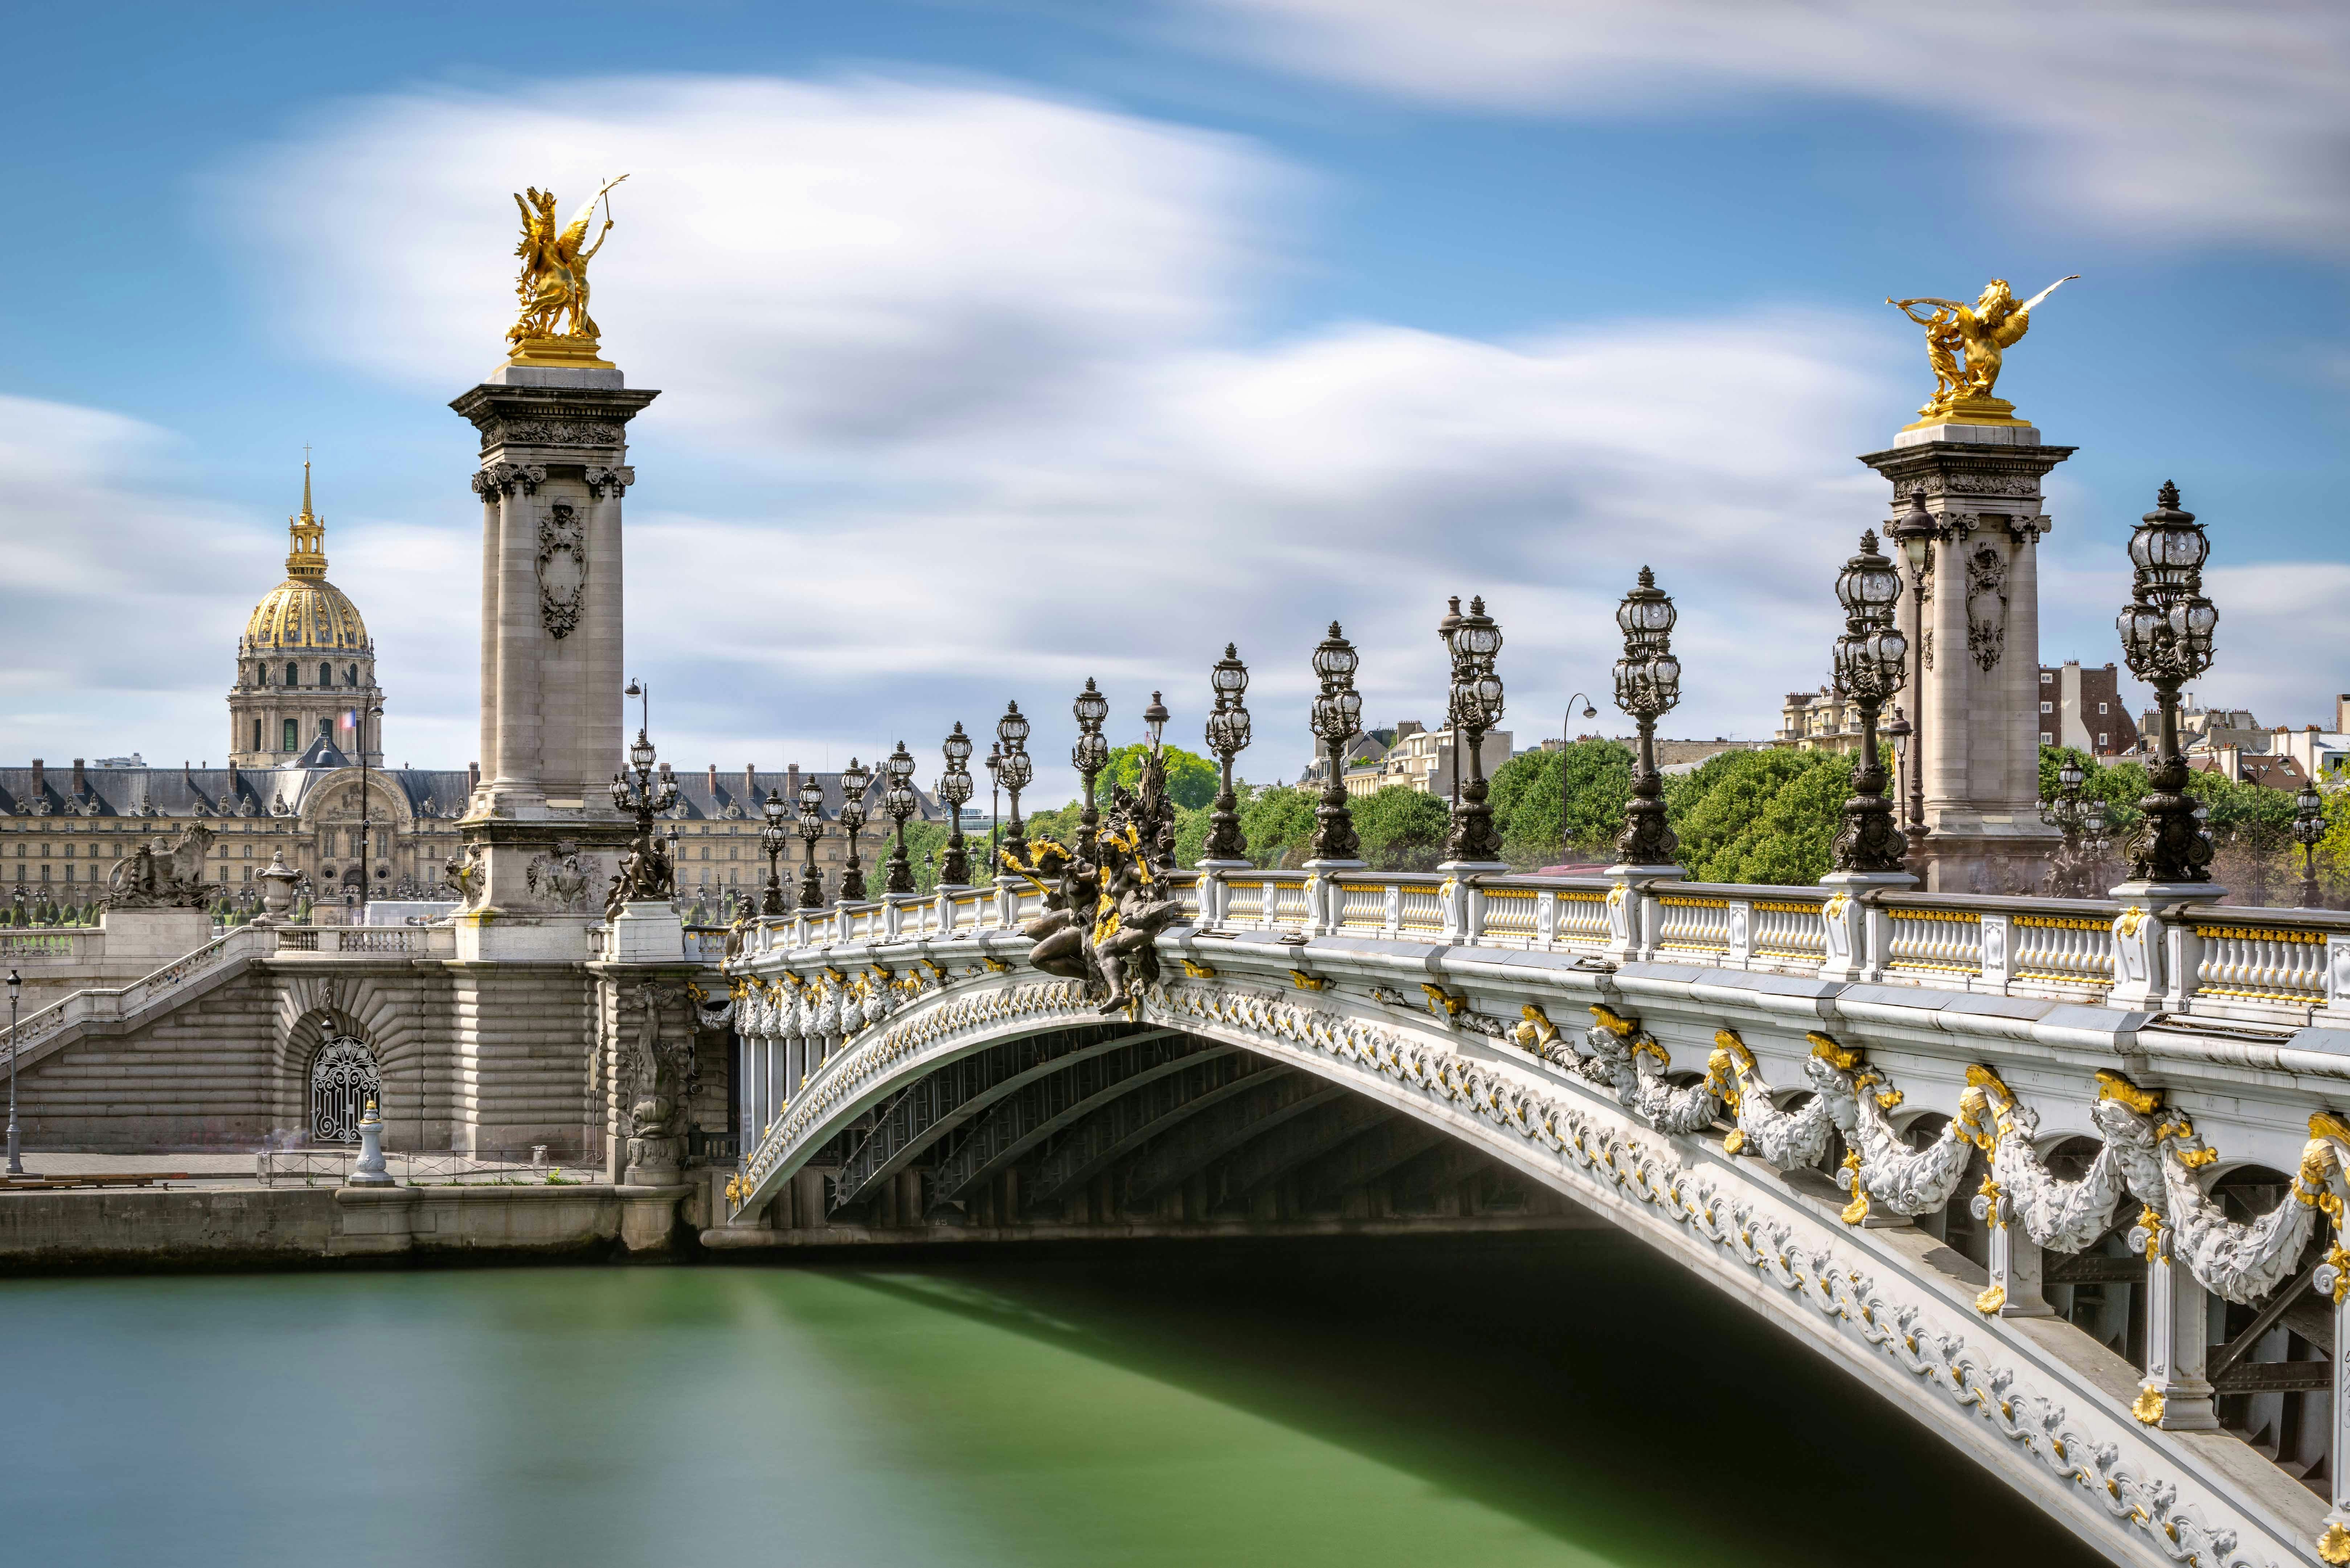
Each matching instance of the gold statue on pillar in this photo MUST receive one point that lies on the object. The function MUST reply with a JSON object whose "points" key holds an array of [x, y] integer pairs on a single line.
{"points": [[1982, 332], [554, 282]]}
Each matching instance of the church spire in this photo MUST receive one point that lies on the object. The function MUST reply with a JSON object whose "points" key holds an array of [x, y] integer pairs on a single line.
{"points": [[307, 558]]}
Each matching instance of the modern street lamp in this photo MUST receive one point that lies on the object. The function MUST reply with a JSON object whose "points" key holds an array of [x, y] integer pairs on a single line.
{"points": [[1648, 687], [898, 798], [2308, 827], [854, 780], [1473, 707], [2166, 632], [954, 788], [1871, 660], [1089, 756], [373, 711], [1914, 533], [1019, 768], [811, 824], [774, 839], [1567, 739], [995, 803], [15, 1158], [1337, 718], [1227, 736]]}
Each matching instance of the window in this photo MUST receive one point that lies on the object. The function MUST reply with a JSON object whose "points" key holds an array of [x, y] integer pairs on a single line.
{"points": [[2102, 741], [293, 676], [2046, 738], [2101, 706], [326, 675], [351, 675], [2048, 678], [256, 735], [293, 737], [2048, 706], [326, 729]]}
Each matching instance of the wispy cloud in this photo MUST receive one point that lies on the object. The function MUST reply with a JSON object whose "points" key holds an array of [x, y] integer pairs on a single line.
{"points": [[2189, 120]]}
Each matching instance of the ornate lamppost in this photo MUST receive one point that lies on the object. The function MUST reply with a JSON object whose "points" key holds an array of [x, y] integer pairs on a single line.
{"points": [[1648, 686], [373, 711], [1337, 718], [774, 839], [1914, 533], [1012, 734], [854, 780], [1474, 708], [2308, 827], [1089, 756], [2066, 812], [1154, 768], [1227, 736], [811, 821], [899, 800], [2166, 632], [1871, 660], [15, 1159], [649, 873], [954, 788]]}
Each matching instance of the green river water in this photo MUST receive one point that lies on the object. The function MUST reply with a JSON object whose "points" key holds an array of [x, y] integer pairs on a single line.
{"points": [[1566, 1401]]}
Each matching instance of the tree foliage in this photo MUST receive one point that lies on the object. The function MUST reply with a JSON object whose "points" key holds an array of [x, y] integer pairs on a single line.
{"points": [[1593, 776], [1766, 815], [1191, 779], [1402, 829]]}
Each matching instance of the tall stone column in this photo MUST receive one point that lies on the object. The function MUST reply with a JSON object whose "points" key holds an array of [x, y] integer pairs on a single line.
{"points": [[1980, 705], [553, 468]]}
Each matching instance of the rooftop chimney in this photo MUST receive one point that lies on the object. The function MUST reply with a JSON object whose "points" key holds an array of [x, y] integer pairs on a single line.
{"points": [[81, 780], [713, 781], [749, 785], [40, 779], [792, 785], [473, 776]]}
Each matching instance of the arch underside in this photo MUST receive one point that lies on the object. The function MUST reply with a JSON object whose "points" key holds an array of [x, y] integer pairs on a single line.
{"points": [[1215, 1108]]}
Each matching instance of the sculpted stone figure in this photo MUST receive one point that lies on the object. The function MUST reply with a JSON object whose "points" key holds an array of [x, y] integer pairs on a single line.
{"points": [[1103, 914], [156, 876]]}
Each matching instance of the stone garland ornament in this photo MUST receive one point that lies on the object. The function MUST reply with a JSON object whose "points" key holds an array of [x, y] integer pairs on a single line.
{"points": [[562, 569], [1626, 1059], [497, 479], [1986, 607], [1637, 1172]]}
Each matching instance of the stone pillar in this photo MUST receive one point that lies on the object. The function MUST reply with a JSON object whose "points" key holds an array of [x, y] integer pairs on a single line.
{"points": [[2015, 1264], [553, 472], [646, 1026], [2174, 1394], [1980, 702]]}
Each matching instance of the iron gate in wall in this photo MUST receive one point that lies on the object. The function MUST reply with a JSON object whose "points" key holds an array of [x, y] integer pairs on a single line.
{"points": [[343, 1079]]}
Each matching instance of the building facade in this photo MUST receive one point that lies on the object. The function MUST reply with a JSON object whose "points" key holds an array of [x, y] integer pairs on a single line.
{"points": [[2083, 709]]}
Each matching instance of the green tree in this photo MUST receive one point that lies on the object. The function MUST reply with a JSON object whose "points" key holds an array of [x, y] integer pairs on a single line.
{"points": [[1191, 779], [1596, 778], [1766, 816], [1277, 823], [1402, 829]]}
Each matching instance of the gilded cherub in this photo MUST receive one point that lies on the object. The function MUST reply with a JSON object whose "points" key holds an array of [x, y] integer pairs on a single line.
{"points": [[1983, 332]]}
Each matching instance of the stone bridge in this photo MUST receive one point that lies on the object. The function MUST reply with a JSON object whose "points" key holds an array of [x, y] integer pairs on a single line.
{"points": [[2062, 1178]]}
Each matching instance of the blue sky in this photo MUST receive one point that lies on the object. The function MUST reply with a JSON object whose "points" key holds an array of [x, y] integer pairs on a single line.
{"points": [[1001, 345]]}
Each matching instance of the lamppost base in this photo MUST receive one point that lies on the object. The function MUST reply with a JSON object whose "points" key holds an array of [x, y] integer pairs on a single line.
{"points": [[1462, 867]]}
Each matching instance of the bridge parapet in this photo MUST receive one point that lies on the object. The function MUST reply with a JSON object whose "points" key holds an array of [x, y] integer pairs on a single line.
{"points": [[2122, 1117]]}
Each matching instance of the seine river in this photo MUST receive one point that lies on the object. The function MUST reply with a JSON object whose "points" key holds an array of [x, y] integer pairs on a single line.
{"points": [[1556, 1401]]}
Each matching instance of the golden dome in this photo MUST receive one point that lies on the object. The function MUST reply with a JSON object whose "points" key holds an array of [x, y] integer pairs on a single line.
{"points": [[305, 613]]}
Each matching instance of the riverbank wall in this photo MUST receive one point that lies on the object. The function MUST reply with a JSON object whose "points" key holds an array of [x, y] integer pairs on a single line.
{"points": [[215, 1227]]}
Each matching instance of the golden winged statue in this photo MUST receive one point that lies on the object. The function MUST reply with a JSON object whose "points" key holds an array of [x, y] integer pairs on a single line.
{"points": [[552, 284], [1965, 344]]}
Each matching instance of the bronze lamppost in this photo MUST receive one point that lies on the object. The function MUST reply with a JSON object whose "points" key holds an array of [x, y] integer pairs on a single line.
{"points": [[1154, 774], [954, 788], [1012, 734], [1474, 708], [1871, 658], [654, 874], [2308, 827], [2074, 870], [854, 780], [1648, 686], [898, 798], [811, 821], [1337, 718], [1227, 736], [1089, 756], [1914, 533], [774, 839], [2166, 631]]}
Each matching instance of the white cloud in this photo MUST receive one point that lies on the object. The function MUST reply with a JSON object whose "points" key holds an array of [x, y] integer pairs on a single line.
{"points": [[966, 384], [2190, 120]]}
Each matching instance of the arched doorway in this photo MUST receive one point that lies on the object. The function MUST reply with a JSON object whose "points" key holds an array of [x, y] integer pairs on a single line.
{"points": [[343, 1079]]}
